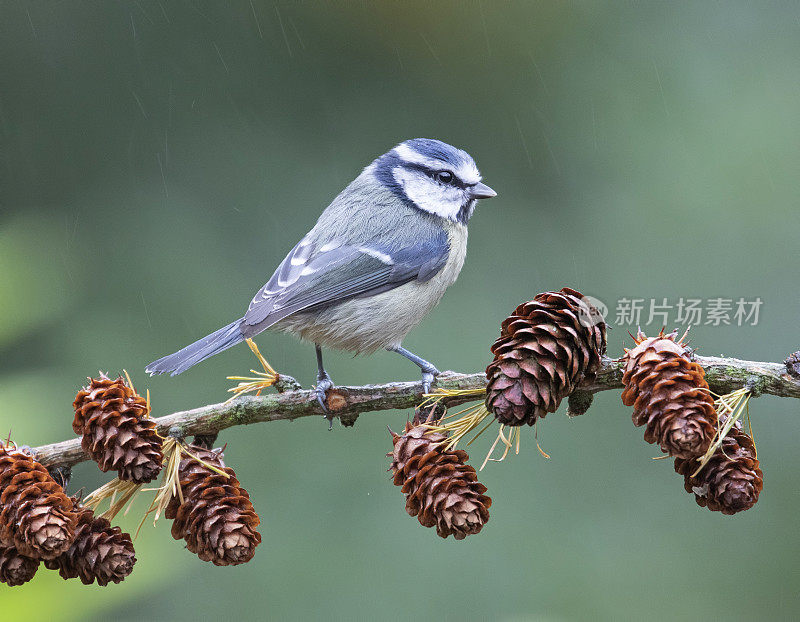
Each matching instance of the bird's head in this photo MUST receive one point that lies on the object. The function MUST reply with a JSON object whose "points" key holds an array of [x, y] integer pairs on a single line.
{"points": [[434, 177]]}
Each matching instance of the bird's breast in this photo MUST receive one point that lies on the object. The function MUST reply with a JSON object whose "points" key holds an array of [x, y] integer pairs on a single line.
{"points": [[457, 238]]}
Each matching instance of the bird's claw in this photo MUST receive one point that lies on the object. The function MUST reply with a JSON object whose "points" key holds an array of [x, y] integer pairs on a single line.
{"points": [[324, 384], [429, 371], [428, 378]]}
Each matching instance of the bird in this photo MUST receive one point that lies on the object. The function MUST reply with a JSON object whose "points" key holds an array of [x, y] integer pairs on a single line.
{"points": [[377, 261]]}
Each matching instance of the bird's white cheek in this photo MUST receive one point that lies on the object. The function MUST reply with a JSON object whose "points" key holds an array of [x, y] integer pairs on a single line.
{"points": [[428, 195]]}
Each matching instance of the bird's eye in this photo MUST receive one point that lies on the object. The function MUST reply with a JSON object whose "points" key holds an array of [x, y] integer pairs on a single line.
{"points": [[446, 177]]}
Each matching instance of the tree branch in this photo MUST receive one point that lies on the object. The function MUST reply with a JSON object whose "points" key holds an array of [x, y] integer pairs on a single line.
{"points": [[723, 375]]}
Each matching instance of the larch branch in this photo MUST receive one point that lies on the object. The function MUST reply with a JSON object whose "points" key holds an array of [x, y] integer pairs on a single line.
{"points": [[347, 403]]}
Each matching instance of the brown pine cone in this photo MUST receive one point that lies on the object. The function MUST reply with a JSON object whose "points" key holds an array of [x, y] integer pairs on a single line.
{"points": [[547, 347], [441, 490], [669, 395], [792, 363], [36, 517], [16, 569], [216, 517], [731, 480], [117, 433], [99, 552]]}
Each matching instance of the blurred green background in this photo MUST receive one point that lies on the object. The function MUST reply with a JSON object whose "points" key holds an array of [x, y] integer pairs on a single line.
{"points": [[160, 158]]}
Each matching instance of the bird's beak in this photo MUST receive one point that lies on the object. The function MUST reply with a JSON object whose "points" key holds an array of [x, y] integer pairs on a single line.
{"points": [[482, 191]]}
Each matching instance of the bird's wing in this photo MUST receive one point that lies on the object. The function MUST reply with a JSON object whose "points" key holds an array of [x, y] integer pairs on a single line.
{"points": [[316, 276]]}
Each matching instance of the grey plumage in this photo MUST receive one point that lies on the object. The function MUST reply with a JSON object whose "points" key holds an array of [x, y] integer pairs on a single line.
{"points": [[378, 259], [341, 262]]}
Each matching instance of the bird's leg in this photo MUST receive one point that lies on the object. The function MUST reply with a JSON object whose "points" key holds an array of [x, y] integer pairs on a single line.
{"points": [[324, 383], [429, 371]]}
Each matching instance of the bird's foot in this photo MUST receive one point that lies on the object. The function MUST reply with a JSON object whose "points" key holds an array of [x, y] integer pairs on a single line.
{"points": [[429, 371], [324, 384], [429, 374]]}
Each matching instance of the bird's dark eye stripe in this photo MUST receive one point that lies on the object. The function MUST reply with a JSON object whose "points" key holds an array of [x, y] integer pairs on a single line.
{"points": [[433, 173]]}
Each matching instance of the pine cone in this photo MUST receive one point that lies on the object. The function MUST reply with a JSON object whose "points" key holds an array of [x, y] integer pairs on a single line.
{"points": [[117, 434], [669, 395], [792, 363], [99, 552], [216, 517], [36, 517], [547, 347], [441, 490], [16, 569], [731, 480]]}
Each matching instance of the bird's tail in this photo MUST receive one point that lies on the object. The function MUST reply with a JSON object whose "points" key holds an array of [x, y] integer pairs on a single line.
{"points": [[209, 345]]}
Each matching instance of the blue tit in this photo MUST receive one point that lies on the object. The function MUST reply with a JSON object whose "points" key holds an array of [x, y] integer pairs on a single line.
{"points": [[379, 258]]}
